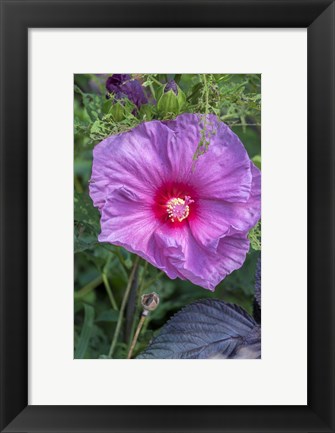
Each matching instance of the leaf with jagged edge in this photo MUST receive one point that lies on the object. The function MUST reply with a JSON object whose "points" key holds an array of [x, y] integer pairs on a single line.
{"points": [[205, 329]]}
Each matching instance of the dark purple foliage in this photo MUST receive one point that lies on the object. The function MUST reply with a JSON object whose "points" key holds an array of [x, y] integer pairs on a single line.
{"points": [[210, 328]]}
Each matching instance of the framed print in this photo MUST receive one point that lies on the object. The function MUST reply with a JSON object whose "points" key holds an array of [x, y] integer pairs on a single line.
{"points": [[135, 108], [176, 142]]}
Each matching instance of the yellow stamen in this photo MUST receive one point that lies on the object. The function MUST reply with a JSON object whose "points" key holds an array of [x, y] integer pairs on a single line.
{"points": [[178, 209]]}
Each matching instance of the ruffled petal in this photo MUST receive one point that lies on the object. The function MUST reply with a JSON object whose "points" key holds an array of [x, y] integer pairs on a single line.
{"points": [[196, 264], [218, 218], [137, 160], [223, 171], [127, 221]]}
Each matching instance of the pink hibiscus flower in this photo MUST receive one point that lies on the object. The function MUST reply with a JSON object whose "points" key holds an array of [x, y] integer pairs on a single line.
{"points": [[189, 219]]}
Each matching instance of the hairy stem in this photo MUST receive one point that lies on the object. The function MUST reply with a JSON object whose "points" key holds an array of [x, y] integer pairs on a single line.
{"points": [[206, 95], [123, 306]]}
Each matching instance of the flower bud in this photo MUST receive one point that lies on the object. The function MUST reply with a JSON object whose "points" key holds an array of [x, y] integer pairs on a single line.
{"points": [[123, 86], [172, 100], [171, 85], [118, 112], [150, 301]]}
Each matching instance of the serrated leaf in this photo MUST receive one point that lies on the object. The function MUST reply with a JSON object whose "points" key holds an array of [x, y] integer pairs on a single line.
{"points": [[208, 328], [80, 127], [258, 281], [86, 332], [255, 237], [257, 310]]}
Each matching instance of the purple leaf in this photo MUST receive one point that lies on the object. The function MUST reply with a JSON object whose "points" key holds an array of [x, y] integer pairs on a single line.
{"points": [[207, 329]]}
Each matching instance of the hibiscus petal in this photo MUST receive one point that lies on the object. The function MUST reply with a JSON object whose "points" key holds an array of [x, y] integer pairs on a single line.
{"points": [[127, 221], [217, 218], [196, 264], [223, 171], [136, 159], [182, 148]]}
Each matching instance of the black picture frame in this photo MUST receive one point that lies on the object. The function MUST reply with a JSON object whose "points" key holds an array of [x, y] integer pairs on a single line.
{"points": [[16, 18]]}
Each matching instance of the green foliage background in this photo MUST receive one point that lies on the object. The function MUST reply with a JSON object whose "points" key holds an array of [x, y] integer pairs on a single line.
{"points": [[101, 271]]}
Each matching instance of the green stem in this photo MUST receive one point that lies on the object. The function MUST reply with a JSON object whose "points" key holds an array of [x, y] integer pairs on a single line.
{"points": [[88, 288], [152, 90], [156, 81], [138, 306], [109, 291], [123, 306], [146, 324], [206, 95], [117, 253], [137, 333]]}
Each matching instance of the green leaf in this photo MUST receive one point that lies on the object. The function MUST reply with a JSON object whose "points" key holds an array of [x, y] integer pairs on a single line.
{"points": [[86, 332], [84, 238], [146, 112], [87, 225], [108, 316], [255, 237], [84, 211], [257, 161]]}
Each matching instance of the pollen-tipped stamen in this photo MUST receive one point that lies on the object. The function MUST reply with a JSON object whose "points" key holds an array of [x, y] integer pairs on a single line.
{"points": [[178, 208]]}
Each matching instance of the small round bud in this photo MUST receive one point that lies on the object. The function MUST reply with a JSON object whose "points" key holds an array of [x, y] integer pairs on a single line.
{"points": [[150, 301]]}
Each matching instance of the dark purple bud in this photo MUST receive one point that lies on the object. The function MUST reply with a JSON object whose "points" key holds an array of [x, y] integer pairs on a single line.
{"points": [[123, 86], [171, 85], [116, 80]]}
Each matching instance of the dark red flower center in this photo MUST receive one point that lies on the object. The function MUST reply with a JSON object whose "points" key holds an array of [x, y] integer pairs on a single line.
{"points": [[174, 203]]}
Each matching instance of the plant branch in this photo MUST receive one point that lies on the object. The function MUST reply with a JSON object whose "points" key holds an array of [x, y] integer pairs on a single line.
{"points": [[88, 288], [137, 333], [109, 291], [123, 306]]}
